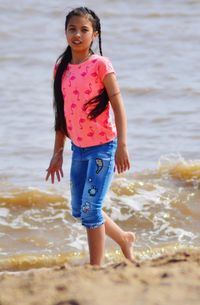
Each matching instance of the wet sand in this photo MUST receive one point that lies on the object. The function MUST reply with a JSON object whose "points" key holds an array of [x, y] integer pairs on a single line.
{"points": [[170, 279]]}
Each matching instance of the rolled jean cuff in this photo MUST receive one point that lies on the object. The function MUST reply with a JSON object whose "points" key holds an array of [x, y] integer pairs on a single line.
{"points": [[76, 215], [93, 226]]}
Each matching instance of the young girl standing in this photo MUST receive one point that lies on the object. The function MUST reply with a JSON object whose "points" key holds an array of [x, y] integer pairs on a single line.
{"points": [[85, 87]]}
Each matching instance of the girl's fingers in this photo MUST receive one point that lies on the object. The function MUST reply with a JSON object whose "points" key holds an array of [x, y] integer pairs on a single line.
{"points": [[58, 176], [119, 168], [52, 177], [123, 166], [126, 165], [61, 172], [51, 172], [48, 174]]}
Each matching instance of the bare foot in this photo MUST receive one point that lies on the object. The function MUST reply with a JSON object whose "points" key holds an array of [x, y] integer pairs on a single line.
{"points": [[127, 247]]}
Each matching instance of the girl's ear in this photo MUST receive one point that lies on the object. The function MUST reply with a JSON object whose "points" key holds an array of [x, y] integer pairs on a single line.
{"points": [[95, 34]]}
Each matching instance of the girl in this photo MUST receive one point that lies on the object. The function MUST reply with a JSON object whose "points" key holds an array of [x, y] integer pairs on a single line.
{"points": [[85, 87]]}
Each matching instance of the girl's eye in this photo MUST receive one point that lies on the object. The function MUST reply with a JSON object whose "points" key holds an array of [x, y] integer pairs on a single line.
{"points": [[73, 30]]}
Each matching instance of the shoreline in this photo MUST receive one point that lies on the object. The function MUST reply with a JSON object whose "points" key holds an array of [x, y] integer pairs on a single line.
{"points": [[160, 281]]}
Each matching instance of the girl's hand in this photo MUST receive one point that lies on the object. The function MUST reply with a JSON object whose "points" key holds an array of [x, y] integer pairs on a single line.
{"points": [[55, 167], [122, 159]]}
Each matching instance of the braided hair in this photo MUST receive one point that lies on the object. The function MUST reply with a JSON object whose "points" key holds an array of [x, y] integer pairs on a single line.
{"points": [[100, 102]]}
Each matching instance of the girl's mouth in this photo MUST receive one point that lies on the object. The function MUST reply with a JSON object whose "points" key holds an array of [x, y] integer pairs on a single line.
{"points": [[76, 42]]}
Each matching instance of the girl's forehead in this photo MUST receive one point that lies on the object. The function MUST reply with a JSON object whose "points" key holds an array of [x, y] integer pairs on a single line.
{"points": [[80, 20]]}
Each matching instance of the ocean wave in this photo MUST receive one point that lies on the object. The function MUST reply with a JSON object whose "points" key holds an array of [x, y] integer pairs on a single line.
{"points": [[23, 262], [179, 168], [30, 197]]}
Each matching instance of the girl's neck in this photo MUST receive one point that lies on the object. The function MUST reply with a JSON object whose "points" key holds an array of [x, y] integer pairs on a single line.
{"points": [[79, 58]]}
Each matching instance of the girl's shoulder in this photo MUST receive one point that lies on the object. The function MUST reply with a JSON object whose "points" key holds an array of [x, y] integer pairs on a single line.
{"points": [[102, 64], [100, 59]]}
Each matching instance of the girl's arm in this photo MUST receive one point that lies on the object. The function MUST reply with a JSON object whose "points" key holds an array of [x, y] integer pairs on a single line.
{"points": [[55, 166], [112, 88], [59, 142]]}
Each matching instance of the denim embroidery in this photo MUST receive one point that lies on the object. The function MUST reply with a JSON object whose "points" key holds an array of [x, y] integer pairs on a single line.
{"points": [[93, 191], [91, 172], [86, 207], [99, 164]]}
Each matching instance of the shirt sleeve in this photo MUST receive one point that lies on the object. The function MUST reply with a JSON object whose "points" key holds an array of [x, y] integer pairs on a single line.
{"points": [[105, 67]]}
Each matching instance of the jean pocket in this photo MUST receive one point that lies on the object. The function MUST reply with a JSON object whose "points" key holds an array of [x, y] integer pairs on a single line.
{"points": [[108, 152], [112, 144]]}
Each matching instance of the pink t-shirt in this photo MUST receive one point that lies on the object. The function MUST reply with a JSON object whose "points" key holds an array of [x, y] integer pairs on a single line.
{"points": [[80, 83]]}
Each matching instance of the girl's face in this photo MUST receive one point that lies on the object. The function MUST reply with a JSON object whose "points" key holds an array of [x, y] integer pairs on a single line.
{"points": [[80, 34]]}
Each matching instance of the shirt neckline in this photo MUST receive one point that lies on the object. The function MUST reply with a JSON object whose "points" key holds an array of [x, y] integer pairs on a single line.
{"points": [[82, 63]]}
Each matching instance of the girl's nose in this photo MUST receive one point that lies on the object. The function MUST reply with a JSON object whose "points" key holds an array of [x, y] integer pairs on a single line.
{"points": [[78, 33]]}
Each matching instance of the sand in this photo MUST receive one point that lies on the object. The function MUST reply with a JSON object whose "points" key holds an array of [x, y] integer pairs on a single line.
{"points": [[170, 279]]}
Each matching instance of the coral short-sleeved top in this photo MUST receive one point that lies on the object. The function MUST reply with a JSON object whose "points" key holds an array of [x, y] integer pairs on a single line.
{"points": [[80, 83]]}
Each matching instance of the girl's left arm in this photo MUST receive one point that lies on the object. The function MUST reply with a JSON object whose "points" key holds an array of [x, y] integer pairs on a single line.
{"points": [[121, 157]]}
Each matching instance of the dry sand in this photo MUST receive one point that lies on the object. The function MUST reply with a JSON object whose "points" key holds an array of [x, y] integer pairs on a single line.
{"points": [[170, 279]]}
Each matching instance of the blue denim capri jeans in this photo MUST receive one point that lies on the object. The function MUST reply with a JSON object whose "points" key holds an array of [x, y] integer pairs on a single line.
{"points": [[91, 173]]}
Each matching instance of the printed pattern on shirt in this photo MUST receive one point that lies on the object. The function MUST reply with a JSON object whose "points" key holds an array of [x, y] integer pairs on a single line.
{"points": [[81, 83]]}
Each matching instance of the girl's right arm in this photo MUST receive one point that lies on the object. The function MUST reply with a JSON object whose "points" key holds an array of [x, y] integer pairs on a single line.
{"points": [[56, 162]]}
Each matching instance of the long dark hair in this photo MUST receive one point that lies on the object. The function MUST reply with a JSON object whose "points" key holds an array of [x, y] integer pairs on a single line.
{"points": [[100, 102]]}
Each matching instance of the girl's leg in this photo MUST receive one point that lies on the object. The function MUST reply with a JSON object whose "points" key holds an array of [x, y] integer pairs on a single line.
{"points": [[124, 239], [77, 182], [99, 174], [96, 240], [96, 243]]}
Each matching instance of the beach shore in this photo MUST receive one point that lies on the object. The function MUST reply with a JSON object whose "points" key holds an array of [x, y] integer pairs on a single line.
{"points": [[170, 279]]}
